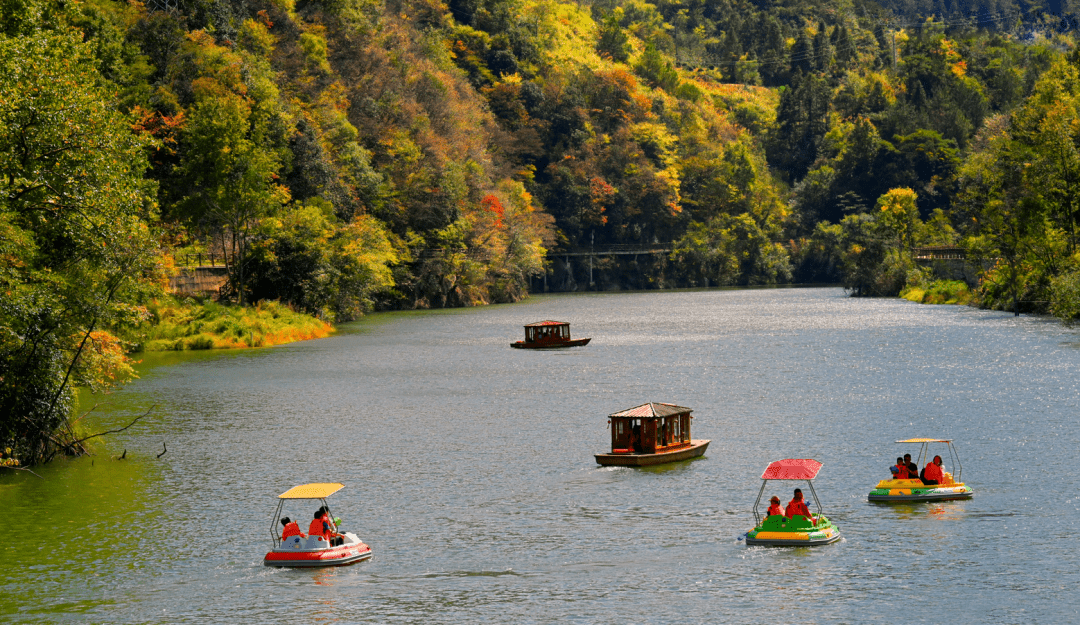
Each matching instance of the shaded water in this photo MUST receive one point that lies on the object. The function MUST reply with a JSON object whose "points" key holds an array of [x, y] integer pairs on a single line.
{"points": [[468, 469]]}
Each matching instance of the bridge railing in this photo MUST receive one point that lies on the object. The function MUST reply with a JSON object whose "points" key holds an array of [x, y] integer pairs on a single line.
{"points": [[939, 252]]}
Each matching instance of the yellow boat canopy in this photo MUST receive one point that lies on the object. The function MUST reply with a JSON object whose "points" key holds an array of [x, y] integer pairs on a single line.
{"points": [[311, 491], [927, 440]]}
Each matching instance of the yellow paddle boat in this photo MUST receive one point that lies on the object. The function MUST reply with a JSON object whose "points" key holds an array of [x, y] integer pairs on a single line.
{"points": [[914, 489], [777, 530]]}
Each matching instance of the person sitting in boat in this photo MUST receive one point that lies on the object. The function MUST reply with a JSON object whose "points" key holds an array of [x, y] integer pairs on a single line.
{"points": [[320, 526], [912, 468], [326, 513], [290, 529], [932, 475], [899, 470], [798, 506], [774, 507]]}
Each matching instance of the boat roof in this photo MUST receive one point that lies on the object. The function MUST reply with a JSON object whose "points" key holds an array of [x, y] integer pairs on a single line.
{"points": [[927, 440], [547, 323], [312, 491], [792, 469], [652, 410]]}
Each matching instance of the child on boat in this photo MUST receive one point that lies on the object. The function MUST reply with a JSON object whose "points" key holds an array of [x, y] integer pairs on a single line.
{"points": [[290, 529], [774, 506], [899, 470]]}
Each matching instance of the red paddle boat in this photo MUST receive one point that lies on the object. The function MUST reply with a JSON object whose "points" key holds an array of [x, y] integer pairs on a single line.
{"points": [[314, 550]]}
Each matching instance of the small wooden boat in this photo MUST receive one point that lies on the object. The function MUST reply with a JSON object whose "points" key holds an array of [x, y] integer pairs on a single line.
{"points": [[652, 433], [313, 551], [914, 489], [548, 335], [779, 531]]}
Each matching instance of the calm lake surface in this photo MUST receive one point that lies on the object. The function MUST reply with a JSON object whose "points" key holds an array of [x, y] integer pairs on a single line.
{"points": [[468, 468]]}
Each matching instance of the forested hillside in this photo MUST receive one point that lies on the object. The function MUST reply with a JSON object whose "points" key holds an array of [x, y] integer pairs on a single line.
{"points": [[344, 155]]}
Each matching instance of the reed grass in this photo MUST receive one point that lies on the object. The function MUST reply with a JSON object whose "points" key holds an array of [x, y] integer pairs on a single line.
{"points": [[190, 324], [939, 292]]}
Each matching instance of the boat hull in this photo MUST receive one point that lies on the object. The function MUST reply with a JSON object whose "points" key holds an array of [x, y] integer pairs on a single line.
{"points": [[915, 490], [777, 531], [290, 554], [550, 344], [696, 448], [798, 539]]}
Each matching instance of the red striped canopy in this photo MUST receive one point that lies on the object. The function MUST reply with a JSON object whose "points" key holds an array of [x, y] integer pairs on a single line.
{"points": [[792, 469]]}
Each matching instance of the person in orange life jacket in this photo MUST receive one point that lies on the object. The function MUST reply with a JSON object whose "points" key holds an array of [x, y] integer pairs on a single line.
{"points": [[290, 529], [932, 474], [329, 530], [798, 506], [338, 537], [774, 506], [326, 513], [899, 470], [320, 527]]}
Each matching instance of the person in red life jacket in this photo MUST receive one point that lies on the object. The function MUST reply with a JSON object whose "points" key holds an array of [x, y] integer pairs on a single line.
{"points": [[798, 506], [899, 470], [774, 506], [932, 474], [329, 519], [290, 529], [321, 526]]}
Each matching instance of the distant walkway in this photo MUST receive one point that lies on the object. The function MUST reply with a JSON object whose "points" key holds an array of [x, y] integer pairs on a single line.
{"points": [[939, 252], [614, 249]]}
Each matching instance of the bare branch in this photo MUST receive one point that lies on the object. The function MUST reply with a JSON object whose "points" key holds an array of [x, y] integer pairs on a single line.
{"points": [[81, 440]]}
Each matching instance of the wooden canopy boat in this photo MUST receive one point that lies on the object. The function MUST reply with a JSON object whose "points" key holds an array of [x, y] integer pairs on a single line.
{"points": [[652, 433], [779, 531], [313, 551], [914, 489], [547, 335]]}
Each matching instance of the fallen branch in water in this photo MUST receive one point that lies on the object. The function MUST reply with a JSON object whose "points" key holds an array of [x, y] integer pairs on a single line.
{"points": [[23, 469], [82, 440], [164, 448]]}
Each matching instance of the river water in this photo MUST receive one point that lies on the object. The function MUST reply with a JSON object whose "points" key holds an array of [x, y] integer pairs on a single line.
{"points": [[468, 468]]}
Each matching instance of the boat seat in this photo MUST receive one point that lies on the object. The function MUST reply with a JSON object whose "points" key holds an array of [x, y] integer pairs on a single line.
{"points": [[316, 542], [292, 542]]}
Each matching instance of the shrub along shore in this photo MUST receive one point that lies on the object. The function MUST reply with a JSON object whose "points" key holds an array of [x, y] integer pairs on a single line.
{"points": [[190, 324]]}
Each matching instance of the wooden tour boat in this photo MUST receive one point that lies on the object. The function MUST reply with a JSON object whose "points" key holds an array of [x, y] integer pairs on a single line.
{"points": [[652, 433], [547, 335]]}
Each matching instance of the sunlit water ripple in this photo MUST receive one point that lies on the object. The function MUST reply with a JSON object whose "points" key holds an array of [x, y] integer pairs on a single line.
{"points": [[469, 470]]}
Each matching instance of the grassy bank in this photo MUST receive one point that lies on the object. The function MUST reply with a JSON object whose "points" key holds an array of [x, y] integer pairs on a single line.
{"points": [[939, 292], [190, 324]]}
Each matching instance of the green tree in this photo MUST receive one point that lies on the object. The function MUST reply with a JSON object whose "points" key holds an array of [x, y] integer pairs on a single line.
{"points": [[657, 70], [229, 161], [614, 42], [76, 255]]}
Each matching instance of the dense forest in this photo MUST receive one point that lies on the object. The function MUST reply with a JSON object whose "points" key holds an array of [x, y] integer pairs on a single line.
{"points": [[340, 156]]}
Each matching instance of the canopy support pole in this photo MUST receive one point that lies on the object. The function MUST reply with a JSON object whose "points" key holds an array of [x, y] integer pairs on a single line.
{"points": [[813, 492], [757, 517], [274, 521], [956, 463]]}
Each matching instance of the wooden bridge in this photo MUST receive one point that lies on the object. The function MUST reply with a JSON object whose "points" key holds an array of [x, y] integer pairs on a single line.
{"points": [[615, 249], [939, 252]]}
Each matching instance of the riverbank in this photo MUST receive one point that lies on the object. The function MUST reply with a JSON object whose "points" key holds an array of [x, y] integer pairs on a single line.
{"points": [[940, 292], [177, 325]]}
